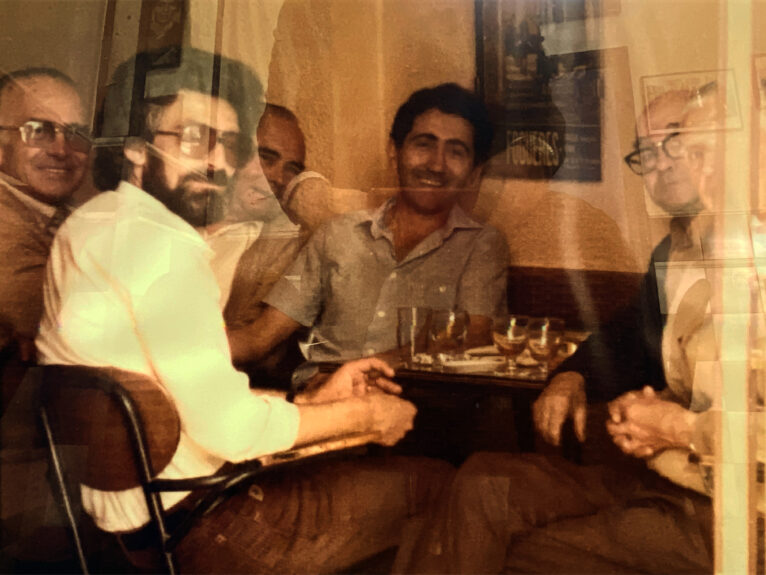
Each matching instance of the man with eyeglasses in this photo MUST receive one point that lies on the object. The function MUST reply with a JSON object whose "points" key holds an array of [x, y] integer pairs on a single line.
{"points": [[129, 285], [43, 157], [625, 354], [44, 147]]}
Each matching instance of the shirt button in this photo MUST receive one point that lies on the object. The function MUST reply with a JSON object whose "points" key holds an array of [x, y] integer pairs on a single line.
{"points": [[381, 313], [369, 351], [393, 275], [442, 289]]}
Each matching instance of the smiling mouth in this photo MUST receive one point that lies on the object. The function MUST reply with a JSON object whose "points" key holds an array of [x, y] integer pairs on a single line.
{"points": [[430, 184], [54, 169], [56, 173]]}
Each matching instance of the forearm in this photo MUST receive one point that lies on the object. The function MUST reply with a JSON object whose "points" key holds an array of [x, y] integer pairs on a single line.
{"points": [[327, 420], [254, 341]]}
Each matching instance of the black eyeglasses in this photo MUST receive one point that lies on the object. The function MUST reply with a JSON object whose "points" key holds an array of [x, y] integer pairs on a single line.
{"points": [[644, 160], [198, 140], [42, 133]]}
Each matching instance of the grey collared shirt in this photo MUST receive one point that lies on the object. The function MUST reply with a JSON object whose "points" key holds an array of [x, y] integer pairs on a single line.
{"points": [[347, 283]]}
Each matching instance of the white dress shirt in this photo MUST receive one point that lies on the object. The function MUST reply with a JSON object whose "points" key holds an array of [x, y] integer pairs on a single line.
{"points": [[129, 285], [228, 243]]}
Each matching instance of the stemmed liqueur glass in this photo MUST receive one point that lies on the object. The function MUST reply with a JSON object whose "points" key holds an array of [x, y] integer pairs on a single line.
{"points": [[544, 337], [509, 333]]}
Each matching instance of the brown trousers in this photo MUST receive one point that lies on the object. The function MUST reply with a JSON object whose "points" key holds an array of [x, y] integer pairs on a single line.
{"points": [[536, 514], [315, 519]]}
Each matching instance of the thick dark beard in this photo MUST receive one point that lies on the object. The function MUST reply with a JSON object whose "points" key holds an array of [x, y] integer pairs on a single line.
{"points": [[177, 200]]}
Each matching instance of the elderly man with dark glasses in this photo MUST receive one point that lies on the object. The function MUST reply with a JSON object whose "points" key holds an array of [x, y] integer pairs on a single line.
{"points": [[671, 178], [43, 158]]}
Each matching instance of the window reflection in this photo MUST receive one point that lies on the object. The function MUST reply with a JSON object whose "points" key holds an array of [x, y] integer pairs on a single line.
{"points": [[625, 178]]}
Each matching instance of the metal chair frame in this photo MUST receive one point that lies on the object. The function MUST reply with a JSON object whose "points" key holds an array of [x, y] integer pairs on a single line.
{"points": [[152, 487]]}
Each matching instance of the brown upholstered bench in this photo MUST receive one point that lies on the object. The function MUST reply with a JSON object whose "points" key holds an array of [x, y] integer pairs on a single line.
{"points": [[583, 298]]}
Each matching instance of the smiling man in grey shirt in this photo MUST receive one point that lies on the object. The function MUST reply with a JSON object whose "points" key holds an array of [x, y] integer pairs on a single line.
{"points": [[418, 249]]}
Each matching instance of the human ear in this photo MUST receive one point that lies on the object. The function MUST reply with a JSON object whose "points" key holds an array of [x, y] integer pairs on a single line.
{"points": [[476, 174], [135, 153], [392, 152]]}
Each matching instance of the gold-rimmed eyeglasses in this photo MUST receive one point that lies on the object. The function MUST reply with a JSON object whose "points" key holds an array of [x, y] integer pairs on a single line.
{"points": [[198, 140], [42, 133]]}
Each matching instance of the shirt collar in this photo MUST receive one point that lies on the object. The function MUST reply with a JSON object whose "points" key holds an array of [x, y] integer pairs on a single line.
{"points": [[142, 197], [248, 227], [457, 219], [15, 186]]}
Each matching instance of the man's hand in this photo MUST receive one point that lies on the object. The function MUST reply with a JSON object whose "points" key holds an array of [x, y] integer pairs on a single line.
{"points": [[354, 379], [392, 416], [563, 397], [641, 424]]}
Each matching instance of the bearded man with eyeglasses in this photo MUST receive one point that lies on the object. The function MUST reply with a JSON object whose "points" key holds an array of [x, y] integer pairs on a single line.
{"points": [[129, 285], [44, 150]]}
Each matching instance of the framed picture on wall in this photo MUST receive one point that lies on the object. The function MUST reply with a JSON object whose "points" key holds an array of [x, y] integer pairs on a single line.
{"points": [[545, 97], [161, 30], [697, 81]]}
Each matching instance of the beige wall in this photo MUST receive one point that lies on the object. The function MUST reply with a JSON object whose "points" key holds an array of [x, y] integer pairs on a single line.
{"points": [[345, 65], [64, 35]]}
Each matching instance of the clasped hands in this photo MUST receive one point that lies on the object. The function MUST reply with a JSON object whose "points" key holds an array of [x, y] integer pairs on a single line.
{"points": [[640, 423]]}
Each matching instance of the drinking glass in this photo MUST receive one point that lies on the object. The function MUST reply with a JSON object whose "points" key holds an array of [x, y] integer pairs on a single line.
{"points": [[448, 329], [413, 328], [544, 336], [509, 333]]}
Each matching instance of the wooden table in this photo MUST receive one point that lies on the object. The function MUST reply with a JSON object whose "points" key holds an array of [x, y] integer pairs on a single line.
{"points": [[460, 413]]}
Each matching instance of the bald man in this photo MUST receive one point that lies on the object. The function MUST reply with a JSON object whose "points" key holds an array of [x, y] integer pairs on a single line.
{"points": [[281, 147], [625, 354]]}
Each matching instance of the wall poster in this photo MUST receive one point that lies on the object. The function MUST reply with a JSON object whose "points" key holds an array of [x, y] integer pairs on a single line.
{"points": [[545, 99]]}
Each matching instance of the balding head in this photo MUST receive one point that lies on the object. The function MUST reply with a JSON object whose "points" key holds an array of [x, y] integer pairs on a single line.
{"points": [[667, 173], [281, 147], [664, 114]]}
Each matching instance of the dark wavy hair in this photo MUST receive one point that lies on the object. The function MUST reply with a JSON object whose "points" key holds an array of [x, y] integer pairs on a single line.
{"points": [[449, 99], [140, 90]]}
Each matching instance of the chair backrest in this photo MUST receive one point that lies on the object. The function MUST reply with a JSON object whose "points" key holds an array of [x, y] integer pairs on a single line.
{"points": [[89, 411]]}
